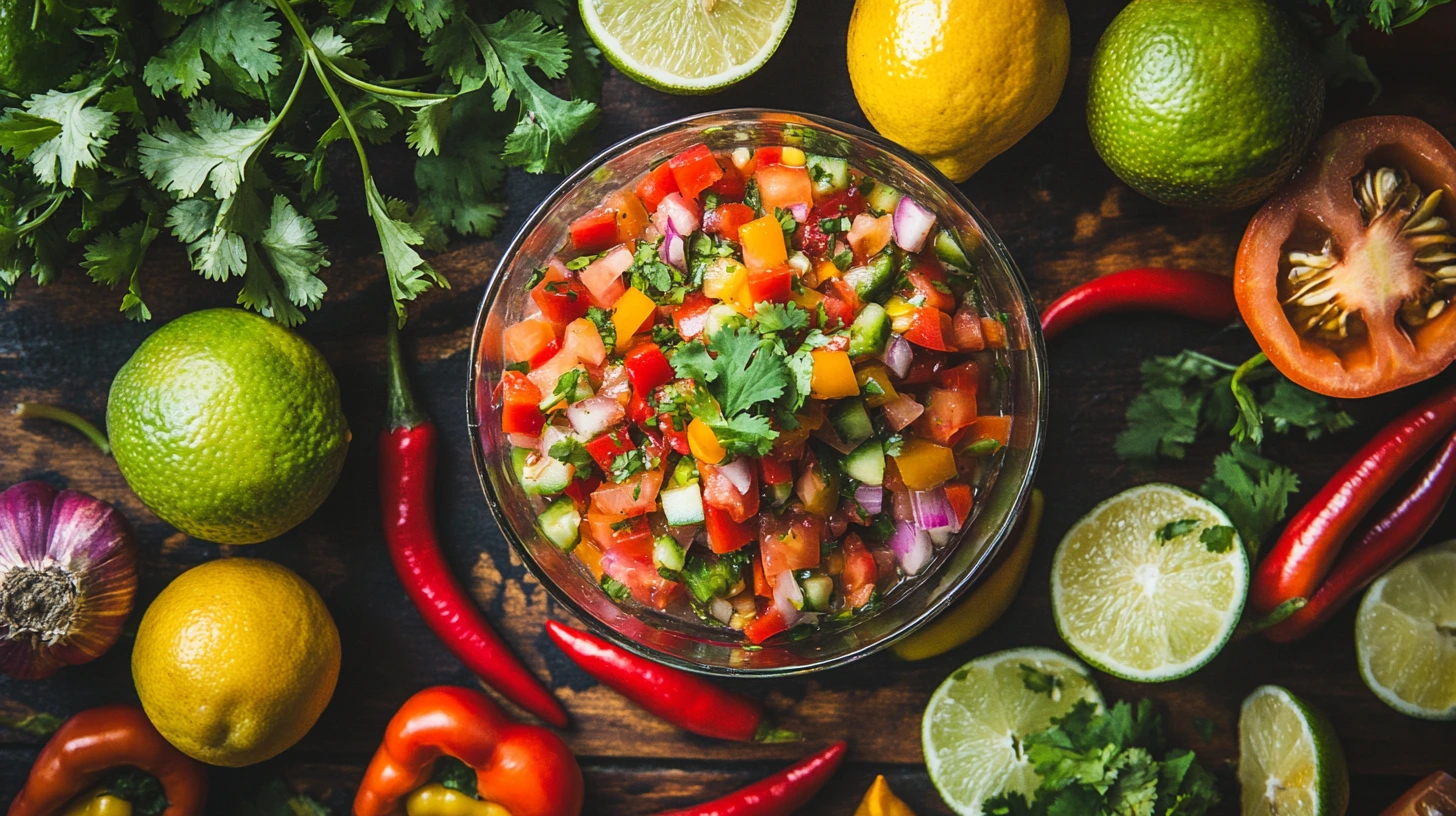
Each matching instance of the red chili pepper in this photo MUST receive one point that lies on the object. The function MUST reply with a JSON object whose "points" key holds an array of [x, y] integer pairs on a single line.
{"points": [[777, 795], [685, 700], [406, 493], [1199, 295], [1302, 556], [1381, 545]]}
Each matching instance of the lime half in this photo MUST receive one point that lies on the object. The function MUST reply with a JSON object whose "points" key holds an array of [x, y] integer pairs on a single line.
{"points": [[687, 46], [1138, 593], [1405, 635], [1290, 763], [976, 720]]}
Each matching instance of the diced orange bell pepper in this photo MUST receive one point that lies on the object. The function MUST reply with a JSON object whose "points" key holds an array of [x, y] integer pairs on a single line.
{"points": [[808, 300], [704, 443], [763, 243], [526, 339], [925, 465], [631, 215], [996, 428], [826, 270], [722, 280], [833, 375], [632, 311]]}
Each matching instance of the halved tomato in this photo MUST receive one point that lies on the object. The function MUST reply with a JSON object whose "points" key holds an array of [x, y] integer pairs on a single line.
{"points": [[1346, 276]]}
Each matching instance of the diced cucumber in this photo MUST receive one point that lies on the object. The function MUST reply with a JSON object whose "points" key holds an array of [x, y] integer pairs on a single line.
{"points": [[870, 279], [540, 475], [818, 589], [686, 472], [830, 175], [870, 331], [882, 198], [683, 505], [580, 391], [561, 523], [667, 554], [719, 316], [948, 250], [780, 493], [851, 421], [866, 463]]}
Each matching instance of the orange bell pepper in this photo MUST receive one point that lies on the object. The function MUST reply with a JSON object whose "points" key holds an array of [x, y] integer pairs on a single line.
{"points": [[630, 313], [526, 769], [925, 465], [704, 443], [98, 740], [763, 243], [833, 375]]}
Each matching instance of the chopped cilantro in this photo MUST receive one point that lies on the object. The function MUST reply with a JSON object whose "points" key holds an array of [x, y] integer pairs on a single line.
{"points": [[710, 201], [752, 198], [616, 590], [631, 462], [1039, 682], [537, 275], [1253, 490], [1218, 538], [775, 317], [786, 222], [895, 444], [830, 226], [1177, 529], [571, 451], [874, 389], [565, 388], [524, 367], [602, 319], [843, 260], [649, 275]]}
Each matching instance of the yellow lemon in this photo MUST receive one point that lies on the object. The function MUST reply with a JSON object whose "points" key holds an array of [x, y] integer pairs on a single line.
{"points": [[958, 81], [235, 660]]}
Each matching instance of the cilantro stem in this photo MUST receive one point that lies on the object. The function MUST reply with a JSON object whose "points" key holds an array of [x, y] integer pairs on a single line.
{"points": [[380, 90], [1213, 361], [55, 413], [35, 223], [311, 52]]}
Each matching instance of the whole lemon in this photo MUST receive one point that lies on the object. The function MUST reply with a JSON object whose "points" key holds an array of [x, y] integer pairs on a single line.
{"points": [[228, 426], [235, 660], [958, 81]]}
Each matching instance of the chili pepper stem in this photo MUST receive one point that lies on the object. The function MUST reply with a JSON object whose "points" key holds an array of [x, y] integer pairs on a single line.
{"points": [[767, 733], [1278, 616], [403, 411], [54, 413]]}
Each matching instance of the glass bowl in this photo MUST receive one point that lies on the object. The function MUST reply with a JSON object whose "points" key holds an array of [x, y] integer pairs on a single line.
{"points": [[691, 645]]}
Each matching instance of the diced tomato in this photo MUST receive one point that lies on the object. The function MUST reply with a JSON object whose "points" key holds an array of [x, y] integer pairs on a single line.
{"points": [[654, 445], [923, 368], [929, 282], [868, 235], [810, 239], [635, 496], [595, 231], [995, 332], [720, 492], [546, 375], [638, 411], [965, 377], [540, 358], [676, 439], [655, 186], [561, 299], [775, 471], [845, 291], [633, 568], [605, 448], [526, 339], [692, 314], [761, 586], [633, 535], [631, 215], [694, 170], [789, 542], [846, 203], [584, 343], [902, 411], [724, 534], [603, 277], [783, 188], [774, 285], [732, 185], [768, 155], [860, 572], [647, 367], [946, 413], [959, 496], [967, 328], [837, 312], [725, 219], [520, 405], [930, 328], [769, 622], [997, 428], [581, 488]]}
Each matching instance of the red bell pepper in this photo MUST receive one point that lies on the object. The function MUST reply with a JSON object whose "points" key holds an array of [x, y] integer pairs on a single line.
{"points": [[675, 438], [607, 447], [931, 328], [581, 488], [560, 298], [725, 219], [520, 405], [647, 367], [638, 411], [837, 312], [595, 231], [546, 353], [929, 283], [694, 170], [775, 471], [775, 285], [655, 186], [964, 378], [959, 496], [768, 155], [724, 534], [524, 768], [692, 315], [732, 185], [769, 622]]}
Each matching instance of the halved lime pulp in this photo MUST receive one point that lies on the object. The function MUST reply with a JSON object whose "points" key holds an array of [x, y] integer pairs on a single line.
{"points": [[1405, 635], [1290, 763]]}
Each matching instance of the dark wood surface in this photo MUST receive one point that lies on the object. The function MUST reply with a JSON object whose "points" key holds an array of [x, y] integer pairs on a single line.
{"points": [[1066, 219]]}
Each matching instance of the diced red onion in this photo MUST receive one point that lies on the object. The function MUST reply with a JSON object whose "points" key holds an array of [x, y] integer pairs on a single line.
{"points": [[788, 598], [941, 535], [826, 433], [740, 473], [913, 224], [590, 417], [898, 355], [720, 609], [912, 547], [871, 498], [526, 441], [674, 211], [901, 411], [932, 510], [901, 507], [800, 212], [672, 251]]}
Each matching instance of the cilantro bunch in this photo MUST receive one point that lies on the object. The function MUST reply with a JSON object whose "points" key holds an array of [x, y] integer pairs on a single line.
{"points": [[224, 122]]}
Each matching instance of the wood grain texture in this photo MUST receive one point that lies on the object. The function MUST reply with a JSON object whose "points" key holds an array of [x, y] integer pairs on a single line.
{"points": [[1065, 218]]}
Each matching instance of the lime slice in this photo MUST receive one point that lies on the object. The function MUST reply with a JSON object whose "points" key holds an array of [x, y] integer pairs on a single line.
{"points": [[1290, 763], [1140, 607], [975, 722], [687, 46], [1405, 635]]}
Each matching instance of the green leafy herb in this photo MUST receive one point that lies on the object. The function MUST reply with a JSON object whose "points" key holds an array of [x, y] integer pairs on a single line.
{"points": [[1253, 490], [602, 319], [776, 317], [571, 451], [649, 275], [1218, 538], [1177, 529], [630, 462], [616, 590], [1039, 682], [565, 388]]}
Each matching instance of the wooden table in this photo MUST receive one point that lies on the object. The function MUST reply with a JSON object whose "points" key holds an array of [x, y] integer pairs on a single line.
{"points": [[1066, 219]]}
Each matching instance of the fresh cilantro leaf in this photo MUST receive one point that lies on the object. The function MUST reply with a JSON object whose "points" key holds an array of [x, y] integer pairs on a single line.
{"points": [[843, 260], [665, 334], [565, 388], [461, 184], [801, 365], [409, 273], [749, 373], [602, 319], [1009, 804], [648, 274], [238, 32], [775, 317], [1254, 491], [116, 257], [216, 151], [1039, 682], [752, 198], [691, 362], [745, 434], [894, 444], [1288, 406], [874, 389], [21, 132], [77, 133], [1218, 538], [1204, 728], [1177, 529], [627, 463]]}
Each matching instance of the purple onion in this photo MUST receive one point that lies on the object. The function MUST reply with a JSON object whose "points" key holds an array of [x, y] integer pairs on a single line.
{"points": [[67, 578], [674, 211], [912, 547], [912, 224], [871, 498], [898, 355], [672, 251], [592, 416], [740, 473], [788, 598], [799, 211], [931, 508]]}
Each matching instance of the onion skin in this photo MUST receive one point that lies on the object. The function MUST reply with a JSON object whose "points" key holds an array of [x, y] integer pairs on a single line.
{"points": [[84, 548]]}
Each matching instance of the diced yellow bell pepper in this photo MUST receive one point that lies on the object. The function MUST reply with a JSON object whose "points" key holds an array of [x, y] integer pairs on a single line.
{"points": [[826, 270], [901, 312], [925, 465], [723, 279], [632, 311], [743, 301], [704, 443], [833, 375], [879, 800], [808, 300], [763, 243], [437, 800], [792, 157], [885, 392]]}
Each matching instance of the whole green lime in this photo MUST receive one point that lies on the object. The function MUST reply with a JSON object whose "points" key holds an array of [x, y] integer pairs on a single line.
{"points": [[34, 58], [1204, 103], [228, 426]]}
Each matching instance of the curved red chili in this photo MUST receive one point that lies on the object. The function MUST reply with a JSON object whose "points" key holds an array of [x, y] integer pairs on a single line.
{"points": [[406, 494], [1199, 295], [777, 795], [1381, 545], [683, 699], [1302, 556]]}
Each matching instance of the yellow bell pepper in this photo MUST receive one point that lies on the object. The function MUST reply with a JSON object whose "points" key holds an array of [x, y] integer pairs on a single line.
{"points": [[704, 443], [631, 313], [902, 314], [98, 802], [833, 375], [438, 800], [743, 301], [792, 157], [987, 603], [763, 243], [924, 465], [808, 300], [879, 800], [826, 270], [880, 376], [722, 280]]}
